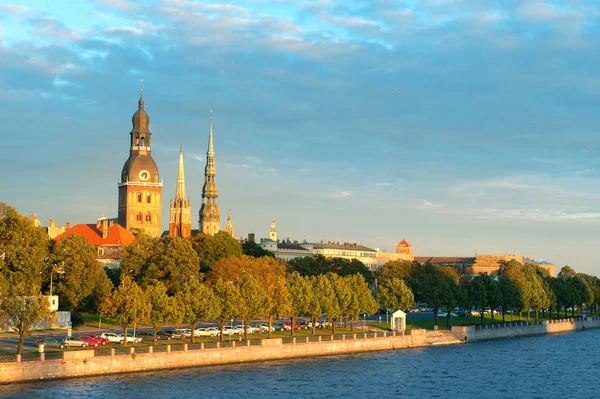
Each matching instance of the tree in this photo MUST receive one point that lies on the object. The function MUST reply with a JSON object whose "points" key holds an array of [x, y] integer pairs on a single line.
{"points": [[566, 272], [580, 293], [254, 300], [196, 302], [277, 300], [361, 300], [137, 259], [299, 296], [23, 249], [435, 288], [343, 297], [250, 248], [309, 265], [211, 249], [478, 293], [314, 302], [328, 300], [399, 269], [393, 294], [228, 303], [127, 304], [23, 308], [508, 294], [80, 280], [164, 309]]}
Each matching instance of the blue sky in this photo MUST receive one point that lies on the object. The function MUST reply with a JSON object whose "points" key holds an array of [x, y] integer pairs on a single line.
{"points": [[461, 126]]}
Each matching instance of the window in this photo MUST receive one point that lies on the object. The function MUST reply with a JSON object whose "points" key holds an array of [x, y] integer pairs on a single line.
{"points": [[139, 218], [143, 142], [139, 197], [137, 141], [148, 198], [148, 218]]}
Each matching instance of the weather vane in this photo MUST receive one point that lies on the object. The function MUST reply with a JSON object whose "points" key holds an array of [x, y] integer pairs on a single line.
{"points": [[141, 89]]}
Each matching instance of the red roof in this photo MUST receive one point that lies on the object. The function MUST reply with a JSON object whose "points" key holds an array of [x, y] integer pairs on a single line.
{"points": [[404, 243], [117, 235]]}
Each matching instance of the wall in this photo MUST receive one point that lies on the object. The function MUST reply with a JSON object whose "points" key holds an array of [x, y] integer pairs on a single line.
{"points": [[86, 364], [522, 329]]}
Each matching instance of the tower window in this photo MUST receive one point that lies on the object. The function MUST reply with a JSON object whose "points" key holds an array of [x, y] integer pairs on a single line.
{"points": [[147, 198], [143, 142], [139, 197], [137, 141], [139, 218], [148, 218]]}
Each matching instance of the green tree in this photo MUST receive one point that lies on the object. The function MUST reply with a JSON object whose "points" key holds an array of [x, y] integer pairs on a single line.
{"points": [[23, 308], [361, 300], [138, 259], [400, 269], [393, 294], [327, 298], [81, 282], [566, 272], [228, 302], [508, 295], [435, 287], [254, 300], [164, 308], [23, 249], [343, 298], [277, 300], [250, 248], [478, 293], [299, 296], [128, 304], [314, 301], [211, 249], [196, 302], [309, 265]]}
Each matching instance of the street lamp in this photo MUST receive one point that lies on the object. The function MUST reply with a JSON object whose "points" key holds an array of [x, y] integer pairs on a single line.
{"points": [[231, 331]]}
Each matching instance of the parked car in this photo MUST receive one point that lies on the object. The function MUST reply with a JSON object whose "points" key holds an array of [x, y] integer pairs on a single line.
{"points": [[90, 340], [206, 332], [288, 326], [185, 332], [460, 312], [75, 342], [111, 337], [303, 324], [51, 343], [130, 339], [174, 333], [260, 327], [164, 335], [278, 326], [227, 330], [317, 324], [103, 341]]}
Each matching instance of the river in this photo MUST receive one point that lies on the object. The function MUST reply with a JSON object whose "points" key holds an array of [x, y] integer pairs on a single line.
{"points": [[551, 366]]}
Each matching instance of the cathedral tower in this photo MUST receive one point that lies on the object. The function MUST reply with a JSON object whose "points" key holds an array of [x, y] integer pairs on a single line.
{"points": [[229, 226], [273, 231], [140, 187], [210, 216], [180, 217]]}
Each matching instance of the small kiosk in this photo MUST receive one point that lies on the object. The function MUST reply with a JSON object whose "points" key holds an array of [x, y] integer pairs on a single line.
{"points": [[398, 321]]}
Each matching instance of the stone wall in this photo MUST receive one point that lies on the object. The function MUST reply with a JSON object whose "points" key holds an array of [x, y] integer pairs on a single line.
{"points": [[87, 364], [523, 329]]}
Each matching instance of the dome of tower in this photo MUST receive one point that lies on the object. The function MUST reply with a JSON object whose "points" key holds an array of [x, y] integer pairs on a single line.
{"points": [[141, 169], [140, 120]]}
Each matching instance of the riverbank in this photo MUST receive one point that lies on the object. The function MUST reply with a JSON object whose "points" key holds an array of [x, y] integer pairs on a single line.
{"points": [[100, 362]]}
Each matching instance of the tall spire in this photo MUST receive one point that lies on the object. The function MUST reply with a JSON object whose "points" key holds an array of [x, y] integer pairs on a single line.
{"points": [[180, 193], [211, 149]]}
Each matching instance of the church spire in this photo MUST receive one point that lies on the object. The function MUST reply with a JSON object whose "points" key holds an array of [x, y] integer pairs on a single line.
{"points": [[210, 217], [180, 193]]}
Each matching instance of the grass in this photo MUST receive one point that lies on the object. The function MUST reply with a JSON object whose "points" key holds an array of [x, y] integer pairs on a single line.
{"points": [[93, 320]]}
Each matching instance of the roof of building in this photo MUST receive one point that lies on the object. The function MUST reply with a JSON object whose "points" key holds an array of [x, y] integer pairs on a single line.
{"points": [[346, 246], [295, 247], [404, 243], [117, 235], [445, 259]]}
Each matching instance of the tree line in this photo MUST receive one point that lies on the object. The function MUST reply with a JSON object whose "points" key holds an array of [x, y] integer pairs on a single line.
{"points": [[515, 288]]}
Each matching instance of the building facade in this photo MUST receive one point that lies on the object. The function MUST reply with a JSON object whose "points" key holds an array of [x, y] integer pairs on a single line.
{"points": [[229, 226], [107, 237], [140, 187], [210, 216], [180, 224], [273, 231]]}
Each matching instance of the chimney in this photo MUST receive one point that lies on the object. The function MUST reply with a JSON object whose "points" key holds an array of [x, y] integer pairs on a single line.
{"points": [[67, 225], [52, 223], [104, 229], [110, 224]]}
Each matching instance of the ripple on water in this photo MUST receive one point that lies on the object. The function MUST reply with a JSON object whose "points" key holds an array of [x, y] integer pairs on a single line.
{"points": [[561, 365]]}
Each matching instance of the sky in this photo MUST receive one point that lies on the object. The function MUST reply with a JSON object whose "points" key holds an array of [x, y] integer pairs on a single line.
{"points": [[460, 126]]}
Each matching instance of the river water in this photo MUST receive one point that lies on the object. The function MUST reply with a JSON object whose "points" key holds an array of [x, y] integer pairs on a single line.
{"points": [[552, 366]]}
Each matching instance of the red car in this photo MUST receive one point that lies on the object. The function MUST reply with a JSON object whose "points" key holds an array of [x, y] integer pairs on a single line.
{"points": [[288, 326], [102, 341], [90, 340]]}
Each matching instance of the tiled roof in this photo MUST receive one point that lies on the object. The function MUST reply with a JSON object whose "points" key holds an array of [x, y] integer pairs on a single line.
{"points": [[351, 247], [445, 259], [117, 235], [404, 243]]}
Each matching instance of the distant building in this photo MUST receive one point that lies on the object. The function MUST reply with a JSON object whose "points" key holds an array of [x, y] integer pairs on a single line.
{"points": [[542, 264], [287, 250], [229, 226], [483, 263], [107, 237], [210, 215], [180, 224], [140, 187], [34, 219], [273, 231], [54, 230]]}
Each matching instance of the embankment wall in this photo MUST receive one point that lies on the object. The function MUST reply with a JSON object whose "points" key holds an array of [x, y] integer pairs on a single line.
{"points": [[523, 329], [274, 349]]}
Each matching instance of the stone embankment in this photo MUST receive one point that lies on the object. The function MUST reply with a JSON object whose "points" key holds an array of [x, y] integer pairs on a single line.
{"points": [[89, 362], [523, 329]]}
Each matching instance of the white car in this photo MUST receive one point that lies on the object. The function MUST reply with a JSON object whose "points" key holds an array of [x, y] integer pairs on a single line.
{"points": [[206, 332], [130, 339], [111, 337]]}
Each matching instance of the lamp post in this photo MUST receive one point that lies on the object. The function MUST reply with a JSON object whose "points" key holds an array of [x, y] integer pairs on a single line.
{"points": [[231, 331]]}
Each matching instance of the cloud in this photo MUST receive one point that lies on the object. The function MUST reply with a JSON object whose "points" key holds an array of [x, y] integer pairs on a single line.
{"points": [[339, 195], [15, 9]]}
